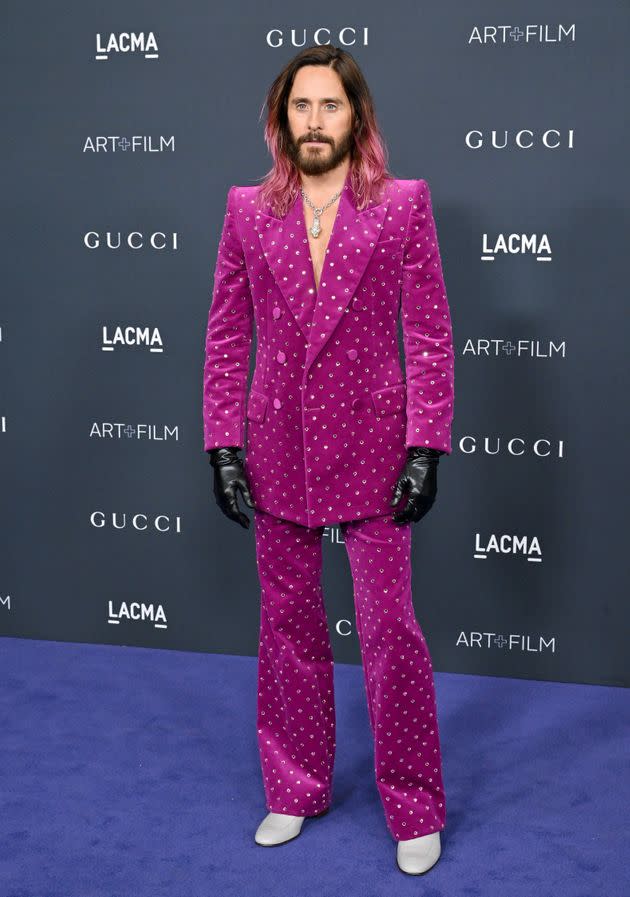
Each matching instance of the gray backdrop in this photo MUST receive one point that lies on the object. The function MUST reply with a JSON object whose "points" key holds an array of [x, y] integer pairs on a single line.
{"points": [[520, 568]]}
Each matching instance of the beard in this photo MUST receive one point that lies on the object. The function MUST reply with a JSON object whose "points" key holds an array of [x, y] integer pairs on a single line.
{"points": [[319, 161]]}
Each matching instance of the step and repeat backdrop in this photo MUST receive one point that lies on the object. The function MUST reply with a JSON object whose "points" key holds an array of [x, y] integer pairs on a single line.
{"points": [[125, 126]]}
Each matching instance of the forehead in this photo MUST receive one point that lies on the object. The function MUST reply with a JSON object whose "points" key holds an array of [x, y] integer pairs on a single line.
{"points": [[316, 82]]}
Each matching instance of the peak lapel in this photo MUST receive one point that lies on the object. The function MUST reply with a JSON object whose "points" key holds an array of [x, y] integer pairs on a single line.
{"points": [[280, 240], [350, 248]]}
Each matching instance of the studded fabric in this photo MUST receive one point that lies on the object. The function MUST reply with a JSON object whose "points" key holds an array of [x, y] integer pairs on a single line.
{"points": [[329, 412], [296, 706]]}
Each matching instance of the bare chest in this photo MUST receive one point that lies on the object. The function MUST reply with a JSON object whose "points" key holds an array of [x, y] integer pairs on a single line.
{"points": [[318, 245]]}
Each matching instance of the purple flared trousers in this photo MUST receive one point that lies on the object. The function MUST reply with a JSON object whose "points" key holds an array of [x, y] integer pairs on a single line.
{"points": [[296, 706]]}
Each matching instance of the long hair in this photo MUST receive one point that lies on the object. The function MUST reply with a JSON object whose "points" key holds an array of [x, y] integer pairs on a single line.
{"points": [[368, 154]]}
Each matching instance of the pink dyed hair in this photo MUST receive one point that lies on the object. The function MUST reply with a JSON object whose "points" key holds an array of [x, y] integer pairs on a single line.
{"points": [[368, 156]]}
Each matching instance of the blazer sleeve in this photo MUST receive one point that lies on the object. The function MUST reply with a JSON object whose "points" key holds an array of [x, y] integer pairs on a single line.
{"points": [[228, 340], [427, 331]]}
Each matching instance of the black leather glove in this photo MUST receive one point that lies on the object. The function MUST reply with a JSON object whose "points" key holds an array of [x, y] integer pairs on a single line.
{"points": [[229, 477], [419, 478]]}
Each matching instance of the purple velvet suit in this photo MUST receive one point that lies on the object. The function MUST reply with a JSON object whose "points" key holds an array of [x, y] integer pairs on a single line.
{"points": [[329, 417], [329, 413]]}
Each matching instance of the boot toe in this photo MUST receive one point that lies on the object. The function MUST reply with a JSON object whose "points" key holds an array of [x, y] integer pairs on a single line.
{"points": [[276, 828], [418, 855]]}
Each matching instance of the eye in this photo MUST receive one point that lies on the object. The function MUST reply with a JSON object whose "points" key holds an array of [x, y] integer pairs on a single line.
{"points": [[328, 105]]}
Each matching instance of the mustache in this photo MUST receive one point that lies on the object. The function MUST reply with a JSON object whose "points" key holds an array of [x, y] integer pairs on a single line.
{"points": [[315, 137]]}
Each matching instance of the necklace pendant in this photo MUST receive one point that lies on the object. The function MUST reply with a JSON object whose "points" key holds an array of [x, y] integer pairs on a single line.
{"points": [[316, 227]]}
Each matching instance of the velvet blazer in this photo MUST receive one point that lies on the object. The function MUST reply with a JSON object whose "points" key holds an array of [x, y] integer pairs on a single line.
{"points": [[329, 414]]}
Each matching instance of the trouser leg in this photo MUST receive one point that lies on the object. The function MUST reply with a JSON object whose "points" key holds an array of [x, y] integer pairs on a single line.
{"points": [[295, 707], [398, 676]]}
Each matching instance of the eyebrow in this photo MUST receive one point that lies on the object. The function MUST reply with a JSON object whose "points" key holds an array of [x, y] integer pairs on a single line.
{"points": [[323, 100]]}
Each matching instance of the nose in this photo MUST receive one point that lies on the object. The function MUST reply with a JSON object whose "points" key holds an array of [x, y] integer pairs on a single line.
{"points": [[313, 121]]}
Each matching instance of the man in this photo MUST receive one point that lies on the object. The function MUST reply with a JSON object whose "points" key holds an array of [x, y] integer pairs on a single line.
{"points": [[323, 256]]}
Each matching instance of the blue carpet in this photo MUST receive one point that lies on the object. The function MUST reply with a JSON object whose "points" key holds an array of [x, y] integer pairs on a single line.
{"points": [[129, 772]]}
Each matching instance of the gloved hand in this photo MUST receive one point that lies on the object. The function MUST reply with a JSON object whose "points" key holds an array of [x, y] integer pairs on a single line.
{"points": [[229, 477], [419, 477]]}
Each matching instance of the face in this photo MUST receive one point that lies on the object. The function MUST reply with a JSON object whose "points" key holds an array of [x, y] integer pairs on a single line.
{"points": [[318, 108]]}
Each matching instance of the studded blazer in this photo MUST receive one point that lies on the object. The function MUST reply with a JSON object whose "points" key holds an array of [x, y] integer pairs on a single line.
{"points": [[329, 414]]}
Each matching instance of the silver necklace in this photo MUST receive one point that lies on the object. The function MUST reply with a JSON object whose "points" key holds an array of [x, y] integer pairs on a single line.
{"points": [[316, 227]]}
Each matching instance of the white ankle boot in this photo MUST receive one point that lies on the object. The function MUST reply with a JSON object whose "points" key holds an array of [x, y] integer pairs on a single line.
{"points": [[418, 855], [276, 828]]}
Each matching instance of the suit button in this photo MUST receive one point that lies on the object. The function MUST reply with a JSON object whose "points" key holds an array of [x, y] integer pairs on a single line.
{"points": [[277, 403], [281, 357], [276, 312], [352, 354]]}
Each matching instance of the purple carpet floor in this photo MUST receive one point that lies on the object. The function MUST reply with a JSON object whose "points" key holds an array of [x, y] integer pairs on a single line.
{"points": [[129, 772]]}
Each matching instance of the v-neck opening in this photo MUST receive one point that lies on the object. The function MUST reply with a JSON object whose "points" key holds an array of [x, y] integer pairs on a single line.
{"points": [[308, 244]]}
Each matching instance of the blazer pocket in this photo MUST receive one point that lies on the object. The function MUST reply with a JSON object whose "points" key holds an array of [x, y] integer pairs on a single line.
{"points": [[390, 399], [387, 251], [393, 244], [256, 406]]}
